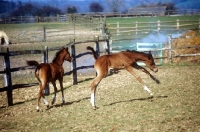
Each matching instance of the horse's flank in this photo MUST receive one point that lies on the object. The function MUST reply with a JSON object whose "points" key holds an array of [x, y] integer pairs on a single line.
{"points": [[4, 36]]}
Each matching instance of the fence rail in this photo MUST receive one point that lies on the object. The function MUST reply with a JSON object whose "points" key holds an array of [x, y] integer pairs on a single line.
{"points": [[117, 28], [65, 17]]}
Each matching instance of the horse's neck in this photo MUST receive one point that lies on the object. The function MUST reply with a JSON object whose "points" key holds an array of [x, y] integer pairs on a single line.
{"points": [[59, 61], [140, 56]]}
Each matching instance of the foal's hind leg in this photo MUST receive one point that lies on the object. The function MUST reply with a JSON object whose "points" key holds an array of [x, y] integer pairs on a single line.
{"points": [[94, 85], [41, 94], [55, 91], [130, 69]]}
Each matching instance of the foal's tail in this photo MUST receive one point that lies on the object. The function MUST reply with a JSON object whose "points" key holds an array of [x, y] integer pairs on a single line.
{"points": [[33, 63], [93, 52]]}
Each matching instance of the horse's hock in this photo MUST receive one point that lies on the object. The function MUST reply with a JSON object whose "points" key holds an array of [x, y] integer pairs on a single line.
{"points": [[189, 38]]}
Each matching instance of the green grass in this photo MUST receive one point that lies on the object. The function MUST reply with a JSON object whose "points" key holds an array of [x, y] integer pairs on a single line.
{"points": [[122, 105], [146, 26]]}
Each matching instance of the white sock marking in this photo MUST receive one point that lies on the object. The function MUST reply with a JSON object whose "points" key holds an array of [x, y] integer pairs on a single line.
{"points": [[37, 108], [45, 101], [92, 100], [146, 88], [63, 99]]}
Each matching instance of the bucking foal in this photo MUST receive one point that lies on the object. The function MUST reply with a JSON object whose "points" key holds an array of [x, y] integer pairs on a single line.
{"points": [[122, 60]]}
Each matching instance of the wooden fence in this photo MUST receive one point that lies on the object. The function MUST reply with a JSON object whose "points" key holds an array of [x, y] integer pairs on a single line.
{"points": [[171, 52], [33, 19], [117, 29], [64, 17], [7, 70]]}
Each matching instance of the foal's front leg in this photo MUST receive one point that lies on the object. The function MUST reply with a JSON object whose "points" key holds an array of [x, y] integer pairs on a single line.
{"points": [[130, 69], [41, 94], [61, 87], [145, 71]]}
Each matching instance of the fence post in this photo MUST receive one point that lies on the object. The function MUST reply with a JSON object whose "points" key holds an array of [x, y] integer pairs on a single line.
{"points": [[8, 79], [177, 24], [46, 90], [21, 19], [117, 28], [36, 19], [136, 27], [170, 48], [44, 34], [58, 16], [73, 54], [158, 25], [97, 45], [199, 25], [108, 45]]}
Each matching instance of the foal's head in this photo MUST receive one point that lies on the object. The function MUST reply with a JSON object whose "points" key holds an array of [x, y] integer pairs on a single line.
{"points": [[67, 55], [150, 62], [62, 55]]}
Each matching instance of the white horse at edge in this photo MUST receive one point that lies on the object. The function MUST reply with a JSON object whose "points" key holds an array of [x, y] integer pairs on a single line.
{"points": [[4, 36]]}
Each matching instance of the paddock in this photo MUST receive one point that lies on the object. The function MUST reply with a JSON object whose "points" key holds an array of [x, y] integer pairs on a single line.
{"points": [[123, 105]]}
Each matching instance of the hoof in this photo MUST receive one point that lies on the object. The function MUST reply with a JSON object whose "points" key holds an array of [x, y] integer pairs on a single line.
{"points": [[63, 100], [157, 81], [37, 108], [94, 107], [151, 94], [52, 102], [47, 106]]}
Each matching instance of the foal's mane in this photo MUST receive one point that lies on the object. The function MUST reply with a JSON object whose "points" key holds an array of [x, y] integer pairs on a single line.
{"points": [[57, 54], [135, 51]]}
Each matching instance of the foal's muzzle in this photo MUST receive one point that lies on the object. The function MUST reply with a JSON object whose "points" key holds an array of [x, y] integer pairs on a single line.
{"points": [[72, 59], [155, 69]]}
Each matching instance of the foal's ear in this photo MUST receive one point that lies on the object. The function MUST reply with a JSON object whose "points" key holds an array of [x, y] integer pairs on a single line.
{"points": [[150, 52], [149, 55]]}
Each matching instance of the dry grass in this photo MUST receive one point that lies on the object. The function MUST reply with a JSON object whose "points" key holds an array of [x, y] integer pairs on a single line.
{"points": [[122, 105]]}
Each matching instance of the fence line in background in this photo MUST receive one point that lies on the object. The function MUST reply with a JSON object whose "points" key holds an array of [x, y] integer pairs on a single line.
{"points": [[158, 26], [64, 17]]}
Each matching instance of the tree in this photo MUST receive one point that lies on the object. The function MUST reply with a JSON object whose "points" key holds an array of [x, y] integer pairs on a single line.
{"points": [[48, 11], [170, 7], [25, 10], [115, 5], [71, 10], [95, 7]]}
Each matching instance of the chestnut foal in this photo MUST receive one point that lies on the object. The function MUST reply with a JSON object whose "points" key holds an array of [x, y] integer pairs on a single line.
{"points": [[50, 72], [122, 60]]}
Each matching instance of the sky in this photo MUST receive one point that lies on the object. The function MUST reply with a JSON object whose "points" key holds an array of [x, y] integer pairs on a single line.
{"points": [[83, 5]]}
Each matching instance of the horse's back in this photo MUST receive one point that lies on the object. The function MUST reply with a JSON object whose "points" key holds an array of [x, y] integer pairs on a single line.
{"points": [[116, 61]]}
